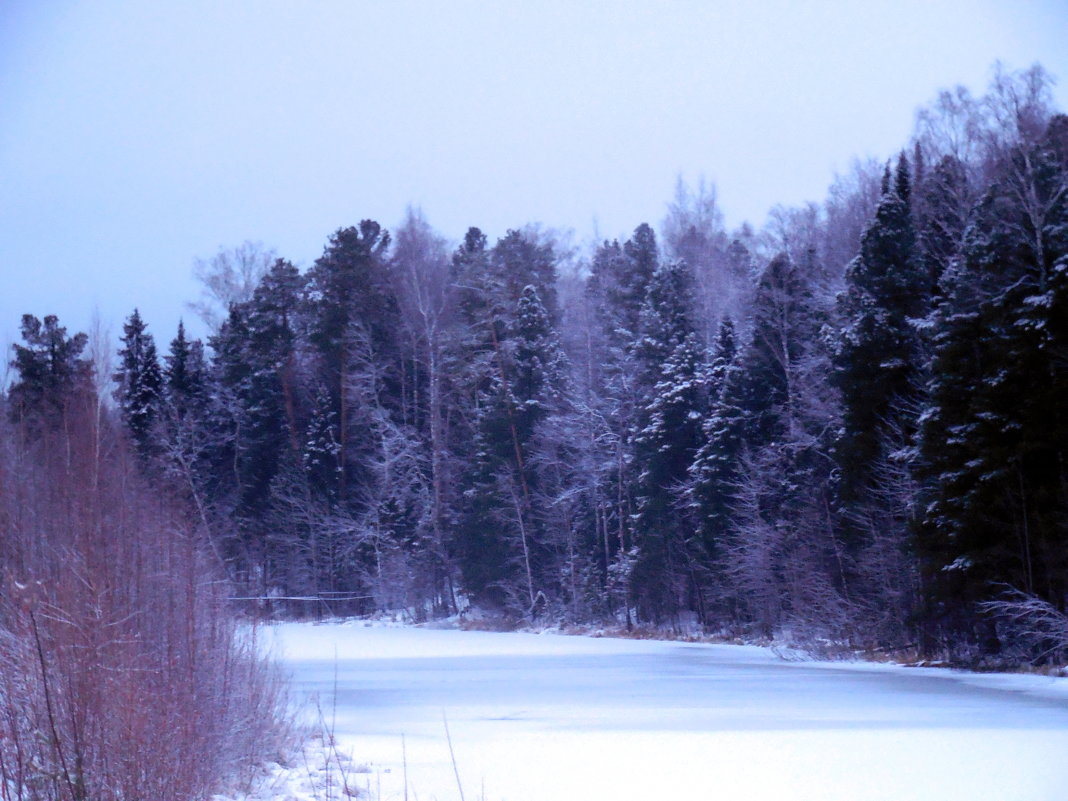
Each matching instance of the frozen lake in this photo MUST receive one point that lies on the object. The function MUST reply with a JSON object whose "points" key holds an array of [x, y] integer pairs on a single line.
{"points": [[556, 718]]}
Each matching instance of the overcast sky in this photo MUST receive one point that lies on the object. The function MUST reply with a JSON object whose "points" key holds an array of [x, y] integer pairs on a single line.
{"points": [[138, 136]]}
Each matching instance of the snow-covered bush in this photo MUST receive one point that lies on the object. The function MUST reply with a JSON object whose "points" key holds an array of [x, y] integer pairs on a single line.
{"points": [[123, 674]]}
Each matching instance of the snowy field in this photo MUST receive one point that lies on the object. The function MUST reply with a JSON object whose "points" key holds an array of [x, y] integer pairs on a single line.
{"points": [[555, 718]]}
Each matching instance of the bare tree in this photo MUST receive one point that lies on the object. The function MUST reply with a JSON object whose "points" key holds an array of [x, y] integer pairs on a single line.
{"points": [[847, 211], [420, 268], [230, 276], [693, 231]]}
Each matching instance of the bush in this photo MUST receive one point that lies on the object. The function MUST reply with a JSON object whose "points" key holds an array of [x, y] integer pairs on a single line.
{"points": [[123, 674]]}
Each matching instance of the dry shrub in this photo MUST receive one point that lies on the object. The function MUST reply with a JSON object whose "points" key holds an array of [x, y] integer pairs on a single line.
{"points": [[1032, 629], [123, 674]]}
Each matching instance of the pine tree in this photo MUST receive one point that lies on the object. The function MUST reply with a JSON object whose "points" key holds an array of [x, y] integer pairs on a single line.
{"points": [[505, 555], [140, 385], [353, 320], [51, 371]]}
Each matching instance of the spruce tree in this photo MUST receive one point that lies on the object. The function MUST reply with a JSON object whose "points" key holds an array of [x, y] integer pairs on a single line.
{"points": [[994, 434], [713, 473], [140, 385], [879, 358], [540, 364], [664, 449], [185, 419], [320, 454], [184, 372], [762, 468], [665, 436], [267, 393]]}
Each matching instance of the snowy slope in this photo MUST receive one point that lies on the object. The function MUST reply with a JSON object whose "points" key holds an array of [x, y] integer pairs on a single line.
{"points": [[554, 717]]}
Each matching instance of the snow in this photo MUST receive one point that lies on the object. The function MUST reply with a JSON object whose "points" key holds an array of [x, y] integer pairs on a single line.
{"points": [[556, 718]]}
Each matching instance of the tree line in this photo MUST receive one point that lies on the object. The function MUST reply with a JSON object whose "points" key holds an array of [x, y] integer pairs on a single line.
{"points": [[845, 427]]}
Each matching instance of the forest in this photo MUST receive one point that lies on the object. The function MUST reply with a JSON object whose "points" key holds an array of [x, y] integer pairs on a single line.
{"points": [[846, 429]]}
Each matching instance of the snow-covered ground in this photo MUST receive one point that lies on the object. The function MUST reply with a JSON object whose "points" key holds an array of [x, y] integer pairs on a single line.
{"points": [[556, 718]]}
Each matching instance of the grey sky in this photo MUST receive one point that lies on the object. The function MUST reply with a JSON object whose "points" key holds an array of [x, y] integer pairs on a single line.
{"points": [[136, 136]]}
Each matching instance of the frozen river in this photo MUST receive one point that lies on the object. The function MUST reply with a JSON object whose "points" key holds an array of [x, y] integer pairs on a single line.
{"points": [[555, 718]]}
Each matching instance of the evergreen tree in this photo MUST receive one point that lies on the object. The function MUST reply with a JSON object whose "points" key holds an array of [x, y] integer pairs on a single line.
{"points": [[666, 436], [348, 286], [353, 320], [185, 374], [714, 469], [619, 280], [664, 449], [140, 384], [517, 261], [762, 468], [267, 393], [540, 365], [877, 365], [944, 203], [666, 318], [616, 292], [505, 555], [993, 437], [50, 370], [234, 430], [185, 420], [469, 275], [322, 449]]}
